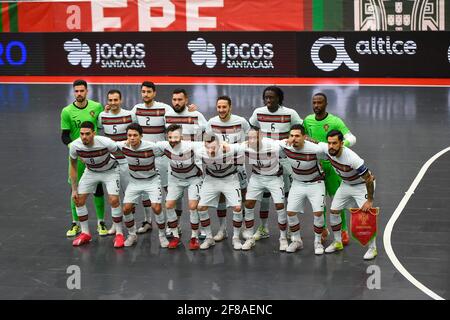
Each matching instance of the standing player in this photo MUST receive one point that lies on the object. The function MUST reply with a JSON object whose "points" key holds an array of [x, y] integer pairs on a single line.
{"points": [[95, 152], [307, 184], [228, 128], [317, 126], [144, 178], [221, 177], [185, 173], [275, 121], [114, 124], [72, 116], [267, 175], [357, 187]]}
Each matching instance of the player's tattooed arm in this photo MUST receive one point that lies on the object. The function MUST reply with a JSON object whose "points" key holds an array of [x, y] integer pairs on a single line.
{"points": [[369, 179], [74, 178]]}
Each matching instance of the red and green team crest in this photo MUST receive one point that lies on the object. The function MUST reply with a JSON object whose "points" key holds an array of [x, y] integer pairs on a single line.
{"points": [[364, 224], [326, 127]]}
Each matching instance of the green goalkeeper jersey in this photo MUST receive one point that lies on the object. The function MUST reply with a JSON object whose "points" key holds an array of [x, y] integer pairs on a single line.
{"points": [[318, 129], [72, 117]]}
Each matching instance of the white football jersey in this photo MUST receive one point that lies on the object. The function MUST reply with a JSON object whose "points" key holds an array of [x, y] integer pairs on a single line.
{"points": [[222, 164], [183, 162], [264, 158], [152, 120], [232, 131], [275, 125], [97, 157], [141, 161], [349, 166], [193, 123]]}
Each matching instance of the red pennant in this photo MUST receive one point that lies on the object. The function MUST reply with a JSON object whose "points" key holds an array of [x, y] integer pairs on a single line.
{"points": [[364, 224]]}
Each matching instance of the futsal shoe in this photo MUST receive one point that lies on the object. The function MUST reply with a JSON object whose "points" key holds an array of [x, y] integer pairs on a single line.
{"points": [[174, 243], [202, 235], [163, 242], [324, 235], [283, 244], [294, 246], [261, 233], [83, 238], [221, 235], [318, 248], [74, 230], [112, 230], [145, 227], [119, 241], [345, 237], [169, 234], [209, 242], [237, 245], [335, 246], [194, 244], [248, 244], [131, 240], [247, 235], [371, 254], [101, 229]]}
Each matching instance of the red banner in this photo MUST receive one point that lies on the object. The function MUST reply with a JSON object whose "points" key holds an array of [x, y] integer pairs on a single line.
{"points": [[364, 224], [160, 15]]}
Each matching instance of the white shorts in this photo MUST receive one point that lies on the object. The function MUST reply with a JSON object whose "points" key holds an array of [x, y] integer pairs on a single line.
{"points": [[176, 187], [287, 174], [213, 187], [138, 187], [242, 174], [259, 184], [162, 165], [124, 175], [348, 196], [300, 191], [90, 179]]}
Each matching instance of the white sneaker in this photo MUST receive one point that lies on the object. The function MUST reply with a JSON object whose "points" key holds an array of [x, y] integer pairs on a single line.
{"points": [[221, 235], [370, 254], [248, 244], [247, 235], [164, 242], [145, 227], [112, 230], [283, 244], [335, 246], [261, 233], [318, 248], [294, 246], [131, 240], [209, 242], [237, 245]]}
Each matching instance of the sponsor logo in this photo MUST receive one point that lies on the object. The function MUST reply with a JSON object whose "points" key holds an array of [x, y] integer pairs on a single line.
{"points": [[233, 55], [107, 55], [377, 46], [13, 53]]}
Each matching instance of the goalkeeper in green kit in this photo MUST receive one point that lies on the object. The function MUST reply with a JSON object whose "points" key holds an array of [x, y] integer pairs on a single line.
{"points": [[72, 116], [317, 126]]}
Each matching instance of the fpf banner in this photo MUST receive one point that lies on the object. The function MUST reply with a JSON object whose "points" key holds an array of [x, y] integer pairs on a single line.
{"points": [[364, 224]]}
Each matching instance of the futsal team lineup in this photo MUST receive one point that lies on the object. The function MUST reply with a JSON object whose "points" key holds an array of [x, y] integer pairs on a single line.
{"points": [[142, 161]]}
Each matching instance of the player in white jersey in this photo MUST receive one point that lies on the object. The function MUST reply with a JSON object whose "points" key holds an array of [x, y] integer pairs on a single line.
{"points": [[114, 123], [263, 155], [185, 173], [357, 187], [144, 178], [221, 177], [95, 152], [308, 184], [228, 128], [275, 121]]}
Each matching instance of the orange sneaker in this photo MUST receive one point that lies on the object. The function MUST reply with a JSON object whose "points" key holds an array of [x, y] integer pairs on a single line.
{"points": [[174, 242], [119, 241], [83, 238], [345, 237], [194, 244], [324, 235]]}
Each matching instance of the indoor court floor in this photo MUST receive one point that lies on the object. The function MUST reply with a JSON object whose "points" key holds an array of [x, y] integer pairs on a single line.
{"points": [[397, 128]]}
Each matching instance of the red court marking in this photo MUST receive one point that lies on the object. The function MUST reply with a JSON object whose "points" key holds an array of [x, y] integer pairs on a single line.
{"points": [[231, 80]]}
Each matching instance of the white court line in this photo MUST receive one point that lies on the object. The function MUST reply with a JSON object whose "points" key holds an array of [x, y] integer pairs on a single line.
{"points": [[393, 219]]}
